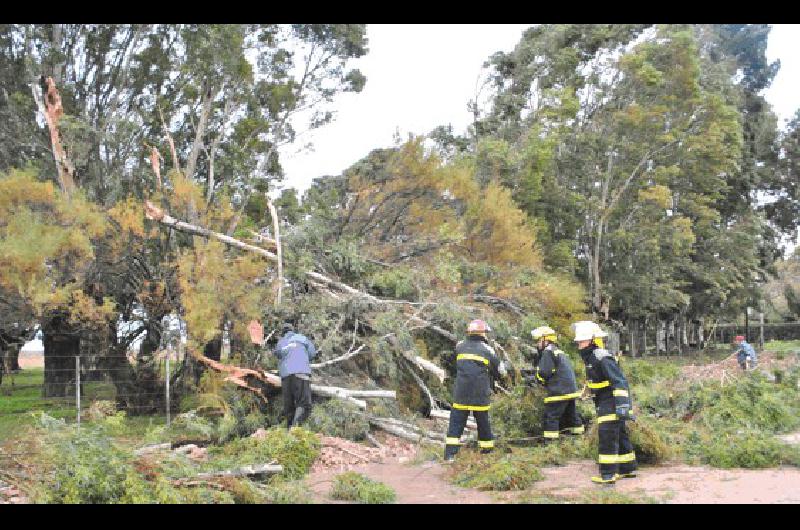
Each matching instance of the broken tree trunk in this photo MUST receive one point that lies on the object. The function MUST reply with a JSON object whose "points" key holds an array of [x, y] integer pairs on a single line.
{"points": [[48, 101], [245, 471], [276, 232], [406, 431]]}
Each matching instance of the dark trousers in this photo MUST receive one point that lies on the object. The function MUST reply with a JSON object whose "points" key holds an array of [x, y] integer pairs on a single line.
{"points": [[615, 448], [296, 399], [558, 415], [458, 421]]}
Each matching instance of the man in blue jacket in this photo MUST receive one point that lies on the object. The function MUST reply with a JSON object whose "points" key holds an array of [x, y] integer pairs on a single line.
{"points": [[746, 354], [294, 352]]}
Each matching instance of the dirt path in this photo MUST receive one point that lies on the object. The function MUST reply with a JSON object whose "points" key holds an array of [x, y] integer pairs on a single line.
{"points": [[680, 484], [414, 484]]}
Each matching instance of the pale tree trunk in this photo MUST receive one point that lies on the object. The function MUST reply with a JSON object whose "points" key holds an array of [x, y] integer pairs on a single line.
{"points": [[276, 232]]}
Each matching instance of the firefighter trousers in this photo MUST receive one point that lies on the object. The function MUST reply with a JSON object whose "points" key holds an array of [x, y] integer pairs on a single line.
{"points": [[558, 414], [458, 421], [616, 453]]}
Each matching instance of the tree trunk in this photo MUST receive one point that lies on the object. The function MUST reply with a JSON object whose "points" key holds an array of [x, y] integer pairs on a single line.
{"points": [[61, 346], [633, 336]]}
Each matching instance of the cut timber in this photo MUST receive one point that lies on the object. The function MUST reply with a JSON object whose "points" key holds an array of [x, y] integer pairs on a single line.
{"points": [[397, 430], [445, 415], [245, 471]]}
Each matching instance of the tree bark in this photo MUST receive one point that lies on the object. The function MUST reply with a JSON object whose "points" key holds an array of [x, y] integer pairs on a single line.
{"points": [[61, 346]]}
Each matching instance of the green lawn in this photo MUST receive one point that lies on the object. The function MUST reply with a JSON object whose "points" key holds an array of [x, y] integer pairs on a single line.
{"points": [[21, 397]]}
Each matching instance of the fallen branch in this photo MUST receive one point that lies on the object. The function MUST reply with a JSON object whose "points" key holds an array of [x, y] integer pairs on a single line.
{"points": [[445, 415], [397, 430], [147, 449], [423, 386], [494, 300], [339, 359], [245, 471]]}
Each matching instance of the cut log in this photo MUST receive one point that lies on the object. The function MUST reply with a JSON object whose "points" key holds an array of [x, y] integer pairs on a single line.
{"points": [[245, 471], [445, 415]]}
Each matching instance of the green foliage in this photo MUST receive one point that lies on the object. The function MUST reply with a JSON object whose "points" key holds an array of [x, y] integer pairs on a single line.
{"points": [[85, 466], [287, 492], [338, 418], [295, 449], [352, 486], [496, 471], [519, 414], [743, 448], [395, 283]]}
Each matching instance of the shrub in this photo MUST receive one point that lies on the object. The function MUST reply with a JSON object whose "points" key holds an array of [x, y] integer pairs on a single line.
{"points": [[295, 449], [497, 472], [519, 414], [351, 486], [287, 492], [338, 418], [747, 449]]}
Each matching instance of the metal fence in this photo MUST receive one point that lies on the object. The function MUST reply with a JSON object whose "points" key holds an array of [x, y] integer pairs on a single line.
{"points": [[79, 387]]}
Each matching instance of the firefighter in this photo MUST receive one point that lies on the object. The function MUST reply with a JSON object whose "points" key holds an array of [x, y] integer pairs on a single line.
{"points": [[553, 369], [612, 402], [476, 366]]}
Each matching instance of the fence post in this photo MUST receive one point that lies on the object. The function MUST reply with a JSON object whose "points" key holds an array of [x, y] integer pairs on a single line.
{"points": [[167, 389], [761, 330], [78, 387]]}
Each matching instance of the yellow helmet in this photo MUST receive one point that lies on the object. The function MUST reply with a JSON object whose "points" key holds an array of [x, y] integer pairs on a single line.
{"points": [[545, 332]]}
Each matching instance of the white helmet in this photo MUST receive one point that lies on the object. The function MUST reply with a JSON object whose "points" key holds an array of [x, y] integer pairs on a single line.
{"points": [[587, 330], [543, 331]]}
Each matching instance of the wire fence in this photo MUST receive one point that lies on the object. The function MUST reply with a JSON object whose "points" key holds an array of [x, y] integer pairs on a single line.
{"points": [[74, 393]]}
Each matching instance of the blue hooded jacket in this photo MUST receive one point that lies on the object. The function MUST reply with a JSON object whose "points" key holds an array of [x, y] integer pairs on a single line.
{"points": [[294, 351], [744, 350]]}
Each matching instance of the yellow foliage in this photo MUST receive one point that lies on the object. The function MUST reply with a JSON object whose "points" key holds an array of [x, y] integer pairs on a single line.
{"points": [[658, 194], [215, 286]]}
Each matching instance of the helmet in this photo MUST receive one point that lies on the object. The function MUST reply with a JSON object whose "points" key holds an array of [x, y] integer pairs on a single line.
{"points": [[478, 327], [738, 338], [587, 330], [544, 331]]}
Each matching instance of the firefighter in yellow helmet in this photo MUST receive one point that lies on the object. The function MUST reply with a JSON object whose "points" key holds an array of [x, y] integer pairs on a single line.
{"points": [[612, 401], [553, 369], [476, 366]]}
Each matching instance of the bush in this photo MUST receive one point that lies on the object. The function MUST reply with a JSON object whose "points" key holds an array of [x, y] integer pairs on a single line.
{"points": [[519, 414], [338, 418], [287, 492], [748, 449], [295, 449], [352, 486], [84, 466], [644, 372], [496, 471]]}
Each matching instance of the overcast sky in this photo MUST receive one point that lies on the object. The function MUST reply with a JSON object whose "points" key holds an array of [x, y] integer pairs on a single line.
{"points": [[422, 76]]}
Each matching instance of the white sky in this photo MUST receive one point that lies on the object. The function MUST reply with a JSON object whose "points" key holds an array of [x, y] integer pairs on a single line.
{"points": [[420, 76]]}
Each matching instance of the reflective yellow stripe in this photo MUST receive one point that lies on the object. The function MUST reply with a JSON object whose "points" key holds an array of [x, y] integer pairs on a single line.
{"points": [[550, 434], [452, 441], [607, 417], [539, 377], [550, 399], [485, 444], [471, 357], [628, 457], [577, 430], [479, 408], [606, 459], [601, 384], [620, 392]]}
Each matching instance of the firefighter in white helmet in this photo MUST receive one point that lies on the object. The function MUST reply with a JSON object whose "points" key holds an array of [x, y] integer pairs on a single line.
{"points": [[554, 371], [476, 365], [612, 401]]}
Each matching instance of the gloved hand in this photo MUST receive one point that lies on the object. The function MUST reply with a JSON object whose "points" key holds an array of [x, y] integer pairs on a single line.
{"points": [[624, 412]]}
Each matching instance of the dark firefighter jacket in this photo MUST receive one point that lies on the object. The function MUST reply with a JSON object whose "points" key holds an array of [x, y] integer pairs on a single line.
{"points": [[604, 377], [476, 365], [554, 371]]}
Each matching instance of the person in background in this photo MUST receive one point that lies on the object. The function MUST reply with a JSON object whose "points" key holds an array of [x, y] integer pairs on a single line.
{"points": [[745, 354], [476, 365]]}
